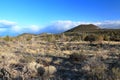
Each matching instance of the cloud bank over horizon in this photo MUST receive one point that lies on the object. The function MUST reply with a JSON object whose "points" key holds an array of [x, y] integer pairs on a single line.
{"points": [[12, 28]]}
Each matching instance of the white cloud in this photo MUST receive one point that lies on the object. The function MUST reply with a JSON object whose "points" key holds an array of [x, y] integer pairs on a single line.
{"points": [[110, 24], [6, 24], [62, 25], [35, 28], [54, 27], [31, 28], [14, 28]]}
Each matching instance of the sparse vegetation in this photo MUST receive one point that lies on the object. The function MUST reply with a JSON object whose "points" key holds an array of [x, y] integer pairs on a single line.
{"points": [[7, 38], [91, 38], [78, 57], [60, 56]]}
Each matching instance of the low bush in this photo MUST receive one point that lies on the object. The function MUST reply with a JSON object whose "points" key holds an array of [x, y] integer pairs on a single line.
{"points": [[78, 57]]}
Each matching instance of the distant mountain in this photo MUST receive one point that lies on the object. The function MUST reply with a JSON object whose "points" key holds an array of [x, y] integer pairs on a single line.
{"points": [[84, 27], [26, 35]]}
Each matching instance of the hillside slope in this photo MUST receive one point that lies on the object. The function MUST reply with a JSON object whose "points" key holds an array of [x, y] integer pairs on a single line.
{"points": [[84, 27]]}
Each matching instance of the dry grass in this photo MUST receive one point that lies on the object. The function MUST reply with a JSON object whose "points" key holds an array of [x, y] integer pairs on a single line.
{"points": [[58, 60]]}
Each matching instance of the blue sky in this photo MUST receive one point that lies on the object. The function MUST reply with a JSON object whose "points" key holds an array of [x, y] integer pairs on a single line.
{"points": [[54, 16]]}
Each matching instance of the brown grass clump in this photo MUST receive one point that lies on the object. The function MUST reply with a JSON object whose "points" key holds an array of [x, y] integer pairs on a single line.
{"points": [[94, 68], [78, 57]]}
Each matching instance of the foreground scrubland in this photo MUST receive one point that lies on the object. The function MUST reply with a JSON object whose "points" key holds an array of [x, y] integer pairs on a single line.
{"points": [[59, 60]]}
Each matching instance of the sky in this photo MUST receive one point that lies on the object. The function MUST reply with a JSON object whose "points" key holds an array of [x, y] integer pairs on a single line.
{"points": [[56, 16]]}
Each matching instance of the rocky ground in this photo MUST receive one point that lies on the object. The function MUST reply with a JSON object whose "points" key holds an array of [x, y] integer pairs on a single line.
{"points": [[40, 60]]}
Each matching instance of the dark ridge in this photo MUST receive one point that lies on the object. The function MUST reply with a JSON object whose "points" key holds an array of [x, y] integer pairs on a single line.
{"points": [[84, 27]]}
